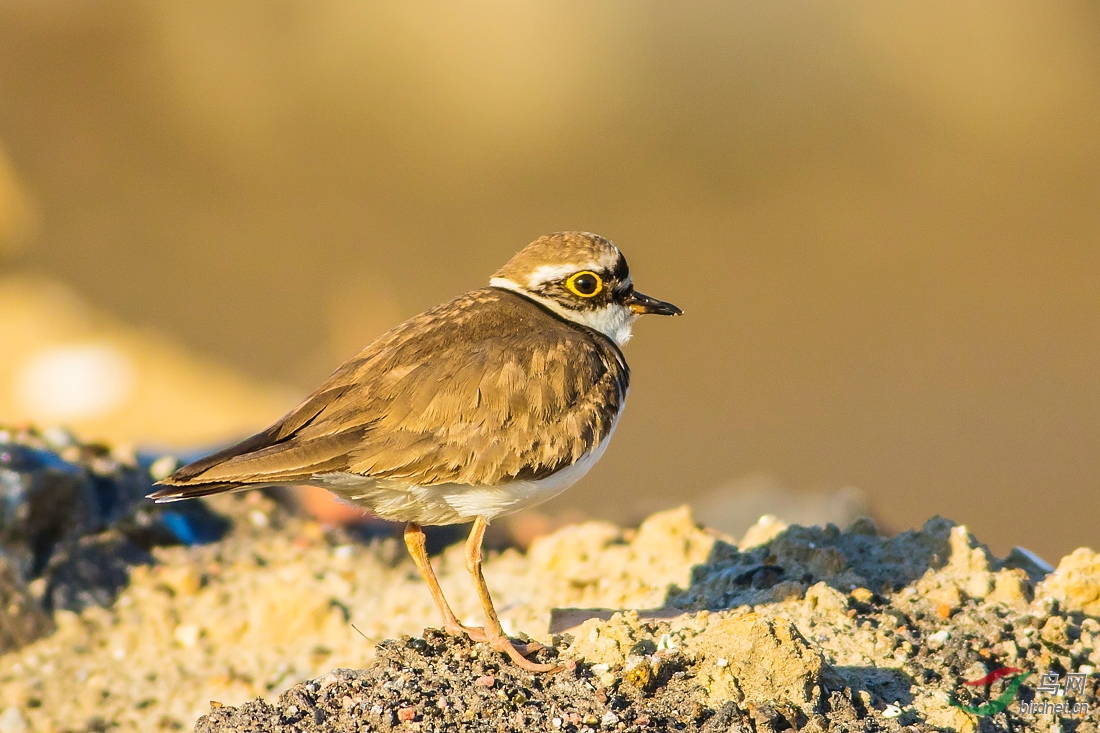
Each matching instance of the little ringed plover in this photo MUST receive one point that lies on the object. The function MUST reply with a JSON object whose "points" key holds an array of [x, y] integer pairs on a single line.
{"points": [[492, 402]]}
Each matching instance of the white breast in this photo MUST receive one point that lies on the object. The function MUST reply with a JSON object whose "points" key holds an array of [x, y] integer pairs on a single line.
{"points": [[455, 503]]}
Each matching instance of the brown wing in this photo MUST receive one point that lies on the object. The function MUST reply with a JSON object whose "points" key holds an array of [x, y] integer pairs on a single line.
{"points": [[480, 390]]}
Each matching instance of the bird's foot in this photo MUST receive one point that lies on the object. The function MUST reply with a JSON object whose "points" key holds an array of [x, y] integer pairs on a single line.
{"points": [[516, 653], [475, 633]]}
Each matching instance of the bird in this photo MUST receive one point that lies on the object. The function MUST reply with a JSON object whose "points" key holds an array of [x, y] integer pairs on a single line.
{"points": [[492, 402]]}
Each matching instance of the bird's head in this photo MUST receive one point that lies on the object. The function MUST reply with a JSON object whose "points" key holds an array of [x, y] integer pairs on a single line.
{"points": [[583, 278]]}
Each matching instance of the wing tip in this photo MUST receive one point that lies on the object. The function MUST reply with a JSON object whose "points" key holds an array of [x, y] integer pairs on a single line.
{"points": [[177, 492]]}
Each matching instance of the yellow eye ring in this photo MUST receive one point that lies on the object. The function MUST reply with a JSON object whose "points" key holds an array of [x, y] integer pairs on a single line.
{"points": [[585, 283]]}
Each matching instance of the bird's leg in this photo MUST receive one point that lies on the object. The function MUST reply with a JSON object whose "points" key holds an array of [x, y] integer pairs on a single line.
{"points": [[414, 540], [494, 632]]}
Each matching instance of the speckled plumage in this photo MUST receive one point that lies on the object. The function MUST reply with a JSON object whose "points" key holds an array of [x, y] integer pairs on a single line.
{"points": [[496, 400], [484, 390]]}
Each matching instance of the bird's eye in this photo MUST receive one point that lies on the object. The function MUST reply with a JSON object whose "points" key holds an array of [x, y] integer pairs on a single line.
{"points": [[585, 284]]}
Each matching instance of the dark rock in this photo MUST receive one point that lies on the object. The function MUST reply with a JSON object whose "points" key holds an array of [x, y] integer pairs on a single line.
{"points": [[22, 619], [92, 571]]}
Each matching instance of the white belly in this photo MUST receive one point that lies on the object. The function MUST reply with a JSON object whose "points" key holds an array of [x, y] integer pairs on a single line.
{"points": [[454, 503]]}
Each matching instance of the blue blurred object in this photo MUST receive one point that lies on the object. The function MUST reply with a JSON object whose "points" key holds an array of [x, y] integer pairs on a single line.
{"points": [[194, 526], [76, 515]]}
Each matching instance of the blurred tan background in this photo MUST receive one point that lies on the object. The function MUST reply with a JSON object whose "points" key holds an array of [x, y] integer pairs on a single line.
{"points": [[882, 220]]}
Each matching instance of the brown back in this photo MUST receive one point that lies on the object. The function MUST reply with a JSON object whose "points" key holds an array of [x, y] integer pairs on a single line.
{"points": [[483, 389]]}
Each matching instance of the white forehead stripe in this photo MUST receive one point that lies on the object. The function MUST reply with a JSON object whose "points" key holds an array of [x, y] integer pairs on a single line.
{"points": [[549, 273]]}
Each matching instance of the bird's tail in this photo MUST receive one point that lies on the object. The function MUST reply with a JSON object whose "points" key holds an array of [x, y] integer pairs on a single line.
{"points": [[187, 482], [175, 492]]}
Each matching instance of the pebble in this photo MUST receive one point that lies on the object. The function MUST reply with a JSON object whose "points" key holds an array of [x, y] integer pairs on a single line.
{"points": [[187, 635], [55, 437], [862, 595], [938, 639], [12, 721], [667, 644], [163, 467]]}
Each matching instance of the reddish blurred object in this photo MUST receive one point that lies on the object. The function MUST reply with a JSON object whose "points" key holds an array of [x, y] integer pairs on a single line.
{"points": [[326, 508], [516, 531]]}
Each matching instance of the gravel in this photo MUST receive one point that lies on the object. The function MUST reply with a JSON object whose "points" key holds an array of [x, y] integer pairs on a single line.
{"points": [[283, 625]]}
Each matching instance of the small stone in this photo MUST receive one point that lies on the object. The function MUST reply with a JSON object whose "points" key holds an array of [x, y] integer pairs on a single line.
{"points": [[767, 528], [1012, 588], [1076, 582], [12, 721], [486, 680], [862, 595], [187, 635], [57, 438], [163, 467], [938, 639], [406, 715], [1054, 631], [609, 719], [638, 673], [1028, 561]]}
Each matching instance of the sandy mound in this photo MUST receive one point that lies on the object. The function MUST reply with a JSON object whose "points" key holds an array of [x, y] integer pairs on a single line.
{"points": [[795, 628]]}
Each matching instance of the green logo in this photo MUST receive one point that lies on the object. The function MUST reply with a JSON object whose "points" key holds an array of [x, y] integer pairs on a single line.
{"points": [[1015, 678]]}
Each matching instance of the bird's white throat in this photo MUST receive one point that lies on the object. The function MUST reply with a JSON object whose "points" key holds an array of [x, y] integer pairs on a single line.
{"points": [[613, 320]]}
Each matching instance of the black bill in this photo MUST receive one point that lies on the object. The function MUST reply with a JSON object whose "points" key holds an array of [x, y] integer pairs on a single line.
{"points": [[640, 303]]}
